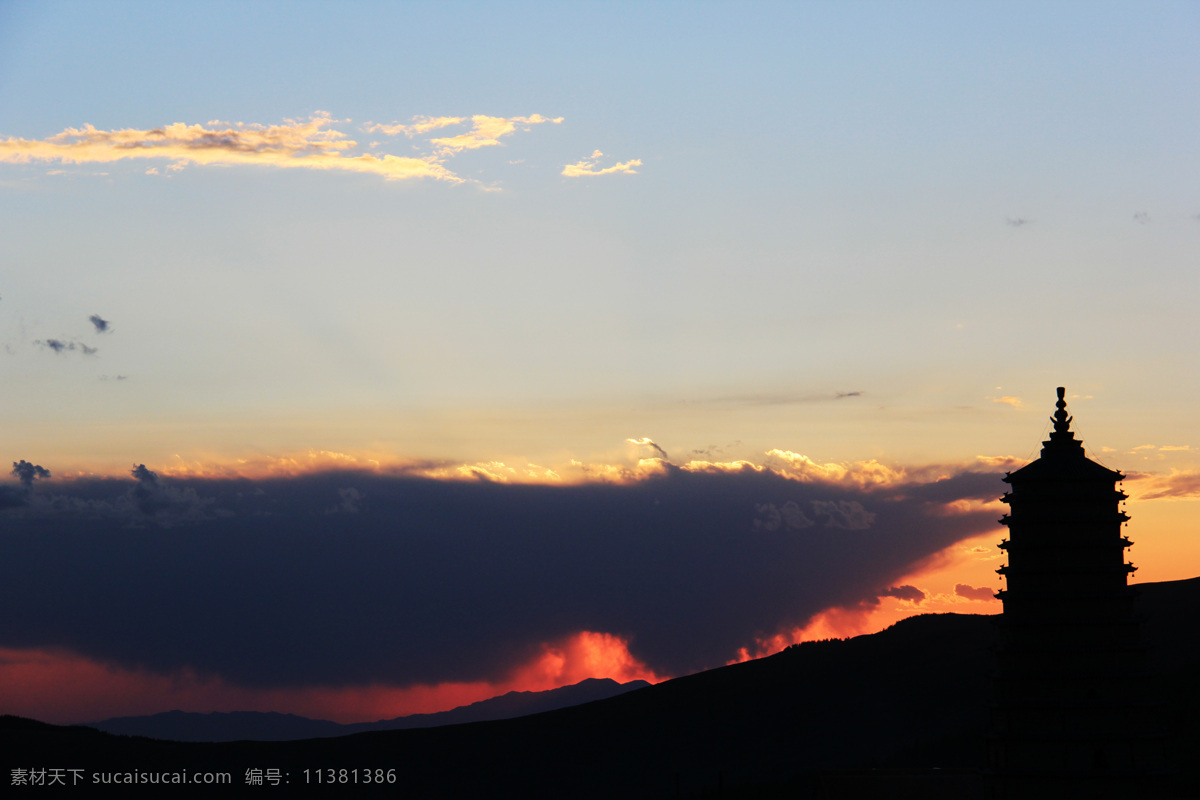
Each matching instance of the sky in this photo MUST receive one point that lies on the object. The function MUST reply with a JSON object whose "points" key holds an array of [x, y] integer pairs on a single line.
{"points": [[494, 346]]}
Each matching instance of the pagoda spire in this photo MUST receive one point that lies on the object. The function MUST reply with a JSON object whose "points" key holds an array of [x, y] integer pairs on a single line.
{"points": [[1062, 441]]}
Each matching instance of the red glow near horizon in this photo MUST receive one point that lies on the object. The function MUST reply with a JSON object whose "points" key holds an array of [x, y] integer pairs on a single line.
{"points": [[584, 655], [845, 622], [832, 623], [972, 560], [64, 688]]}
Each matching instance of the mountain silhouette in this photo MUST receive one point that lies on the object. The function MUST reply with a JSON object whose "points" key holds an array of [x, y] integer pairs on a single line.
{"points": [[183, 726], [901, 713]]}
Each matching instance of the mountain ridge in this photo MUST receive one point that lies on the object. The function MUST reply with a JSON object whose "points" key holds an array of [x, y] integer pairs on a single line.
{"points": [[232, 726]]}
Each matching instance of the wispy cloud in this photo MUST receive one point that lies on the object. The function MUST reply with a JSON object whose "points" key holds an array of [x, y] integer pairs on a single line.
{"points": [[1166, 448], [314, 143], [587, 166], [907, 592], [1007, 400], [778, 398], [487, 132], [647, 442], [1000, 462], [99, 323], [59, 346], [419, 125], [1177, 485], [982, 593]]}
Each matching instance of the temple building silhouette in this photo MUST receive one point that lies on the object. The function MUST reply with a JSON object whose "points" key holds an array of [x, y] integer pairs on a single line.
{"points": [[1071, 715]]}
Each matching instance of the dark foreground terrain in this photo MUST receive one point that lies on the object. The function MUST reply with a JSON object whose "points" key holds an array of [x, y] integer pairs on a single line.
{"points": [[901, 713]]}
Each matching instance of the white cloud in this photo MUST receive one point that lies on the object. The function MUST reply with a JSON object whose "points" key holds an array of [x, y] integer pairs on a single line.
{"points": [[315, 143], [310, 144], [419, 125], [486, 132], [587, 166]]}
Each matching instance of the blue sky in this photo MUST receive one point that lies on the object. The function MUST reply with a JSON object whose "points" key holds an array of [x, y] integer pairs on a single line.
{"points": [[920, 203]]}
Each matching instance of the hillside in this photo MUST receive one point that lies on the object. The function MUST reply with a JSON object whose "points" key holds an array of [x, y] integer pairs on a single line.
{"points": [[800, 723]]}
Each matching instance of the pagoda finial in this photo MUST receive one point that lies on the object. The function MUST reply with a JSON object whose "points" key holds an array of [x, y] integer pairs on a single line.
{"points": [[1062, 439], [1062, 423]]}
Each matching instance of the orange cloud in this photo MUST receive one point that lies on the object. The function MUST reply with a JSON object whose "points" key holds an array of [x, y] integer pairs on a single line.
{"points": [[721, 466], [491, 470], [833, 623], [1015, 402], [893, 605], [583, 655], [587, 166], [643, 458], [859, 473], [862, 474], [261, 466]]}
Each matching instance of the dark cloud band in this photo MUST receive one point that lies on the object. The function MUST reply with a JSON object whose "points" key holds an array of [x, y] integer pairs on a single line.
{"points": [[420, 581]]}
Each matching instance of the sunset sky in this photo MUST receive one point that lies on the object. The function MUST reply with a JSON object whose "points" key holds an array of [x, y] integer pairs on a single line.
{"points": [[468, 347]]}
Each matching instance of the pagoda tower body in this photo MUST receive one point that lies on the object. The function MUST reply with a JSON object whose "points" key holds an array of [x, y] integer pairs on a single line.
{"points": [[1070, 714]]}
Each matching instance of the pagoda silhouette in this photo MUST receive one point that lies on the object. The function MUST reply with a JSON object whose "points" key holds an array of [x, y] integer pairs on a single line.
{"points": [[1071, 716]]}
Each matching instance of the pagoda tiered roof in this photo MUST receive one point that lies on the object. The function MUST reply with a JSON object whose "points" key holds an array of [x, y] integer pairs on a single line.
{"points": [[1062, 456]]}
